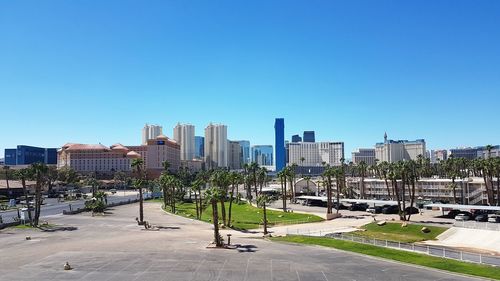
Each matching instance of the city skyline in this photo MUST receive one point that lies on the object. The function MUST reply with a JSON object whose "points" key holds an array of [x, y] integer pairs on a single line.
{"points": [[340, 69]]}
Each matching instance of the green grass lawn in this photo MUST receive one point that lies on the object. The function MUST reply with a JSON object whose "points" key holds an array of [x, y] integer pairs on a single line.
{"points": [[394, 232], [397, 255], [246, 216]]}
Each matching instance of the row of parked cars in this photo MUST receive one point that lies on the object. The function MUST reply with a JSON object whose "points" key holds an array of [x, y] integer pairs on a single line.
{"points": [[477, 216]]}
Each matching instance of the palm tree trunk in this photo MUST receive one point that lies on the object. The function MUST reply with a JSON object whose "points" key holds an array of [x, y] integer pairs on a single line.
{"points": [[196, 204], [387, 187], [141, 206], [265, 219], [223, 211], [25, 191], [454, 190], [231, 198], [215, 218], [284, 195]]}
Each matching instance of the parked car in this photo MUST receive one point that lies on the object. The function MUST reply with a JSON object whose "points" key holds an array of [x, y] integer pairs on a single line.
{"points": [[341, 207], [392, 209], [375, 210], [411, 210], [462, 217], [481, 218], [358, 207], [453, 213], [494, 218]]}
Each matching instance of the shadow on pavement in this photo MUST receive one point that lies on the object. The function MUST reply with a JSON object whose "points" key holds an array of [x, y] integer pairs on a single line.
{"points": [[245, 248], [57, 228]]}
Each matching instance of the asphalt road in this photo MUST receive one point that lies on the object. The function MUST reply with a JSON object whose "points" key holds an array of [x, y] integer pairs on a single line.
{"points": [[114, 247]]}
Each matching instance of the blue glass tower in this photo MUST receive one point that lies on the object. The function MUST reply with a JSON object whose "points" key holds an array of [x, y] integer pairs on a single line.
{"points": [[279, 136], [199, 147], [309, 136]]}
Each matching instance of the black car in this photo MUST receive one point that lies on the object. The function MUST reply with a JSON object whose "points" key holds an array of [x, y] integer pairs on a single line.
{"points": [[358, 207], [481, 218], [411, 210], [393, 209], [452, 214]]}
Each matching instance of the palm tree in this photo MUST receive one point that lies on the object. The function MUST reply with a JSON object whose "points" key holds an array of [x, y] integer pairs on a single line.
{"points": [[383, 168], [307, 178], [23, 175], [169, 183], [362, 173], [39, 171], [450, 169], [291, 177], [262, 200], [327, 174], [6, 170], [262, 178], [94, 183], [196, 188], [212, 196], [283, 178], [140, 178], [221, 180], [236, 179], [254, 168]]}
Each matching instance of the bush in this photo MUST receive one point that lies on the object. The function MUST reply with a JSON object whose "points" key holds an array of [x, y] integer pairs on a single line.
{"points": [[96, 206]]}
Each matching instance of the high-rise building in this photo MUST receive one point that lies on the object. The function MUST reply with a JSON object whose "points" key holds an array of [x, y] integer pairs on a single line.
{"points": [[310, 157], [309, 136], [216, 146], [399, 150], [199, 147], [279, 145], [296, 138], [150, 132], [26, 155], [235, 159], [475, 152], [245, 151], [184, 136], [366, 155], [262, 155], [438, 155]]}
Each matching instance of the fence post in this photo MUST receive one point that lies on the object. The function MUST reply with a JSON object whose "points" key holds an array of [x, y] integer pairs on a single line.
{"points": [[428, 250], [444, 252], [480, 258], [413, 247], [461, 256], [399, 245], [386, 245]]}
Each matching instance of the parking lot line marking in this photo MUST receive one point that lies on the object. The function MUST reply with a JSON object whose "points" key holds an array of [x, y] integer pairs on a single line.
{"points": [[220, 270], [324, 275]]}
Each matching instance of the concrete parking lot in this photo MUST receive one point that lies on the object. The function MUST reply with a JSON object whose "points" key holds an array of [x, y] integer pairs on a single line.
{"points": [[114, 247]]}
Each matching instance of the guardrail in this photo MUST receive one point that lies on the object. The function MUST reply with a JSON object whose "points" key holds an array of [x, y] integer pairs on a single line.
{"points": [[477, 225], [417, 248]]}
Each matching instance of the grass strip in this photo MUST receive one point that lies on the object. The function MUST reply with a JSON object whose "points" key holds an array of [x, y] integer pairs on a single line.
{"points": [[397, 255]]}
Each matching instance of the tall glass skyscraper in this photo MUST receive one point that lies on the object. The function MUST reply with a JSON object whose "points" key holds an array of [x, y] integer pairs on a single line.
{"points": [[296, 138], [199, 147], [262, 155], [309, 136], [245, 151], [279, 137]]}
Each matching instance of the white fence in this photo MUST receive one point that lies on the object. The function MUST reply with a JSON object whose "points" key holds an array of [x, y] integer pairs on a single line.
{"points": [[477, 225], [423, 249]]}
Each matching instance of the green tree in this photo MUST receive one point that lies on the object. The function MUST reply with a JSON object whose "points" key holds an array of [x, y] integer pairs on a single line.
{"points": [[39, 171], [139, 182], [212, 197], [262, 201], [221, 180], [235, 178], [23, 175]]}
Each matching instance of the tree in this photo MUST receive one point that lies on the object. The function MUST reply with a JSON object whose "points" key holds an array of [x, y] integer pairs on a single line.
{"points": [[262, 201], [362, 173], [283, 178], [254, 168], [121, 178], [291, 173], [52, 177], [94, 184], [451, 171], [6, 170], [235, 179], [67, 176], [383, 168], [196, 188], [328, 173], [262, 178], [23, 175], [39, 171], [221, 179], [139, 182], [212, 196]]}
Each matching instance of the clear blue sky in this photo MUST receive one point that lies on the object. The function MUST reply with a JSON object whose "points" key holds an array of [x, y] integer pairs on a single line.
{"points": [[96, 71]]}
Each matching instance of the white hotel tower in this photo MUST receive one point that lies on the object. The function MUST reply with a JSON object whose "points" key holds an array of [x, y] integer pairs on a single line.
{"points": [[150, 132], [216, 146], [184, 136]]}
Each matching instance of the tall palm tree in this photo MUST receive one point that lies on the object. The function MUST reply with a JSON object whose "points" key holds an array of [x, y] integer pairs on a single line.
{"points": [[254, 168], [39, 171], [196, 187], [362, 173], [23, 175], [383, 168], [6, 170], [236, 179], [212, 196], [221, 179], [262, 201], [283, 178], [262, 178], [140, 181], [292, 174], [328, 174]]}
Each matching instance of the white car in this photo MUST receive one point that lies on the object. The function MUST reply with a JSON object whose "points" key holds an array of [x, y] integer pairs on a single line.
{"points": [[462, 217], [494, 218]]}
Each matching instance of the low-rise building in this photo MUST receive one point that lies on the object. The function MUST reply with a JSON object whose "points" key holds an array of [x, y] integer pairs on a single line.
{"points": [[27, 155], [366, 155]]}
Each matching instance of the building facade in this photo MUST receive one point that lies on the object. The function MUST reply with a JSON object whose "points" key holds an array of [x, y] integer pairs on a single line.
{"points": [[245, 151], [476, 152], [159, 150], [150, 132], [27, 155], [199, 147], [438, 155], [262, 155], [216, 146], [235, 159], [279, 144], [95, 158], [366, 155], [184, 136], [296, 138], [315, 154], [399, 150], [309, 136]]}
